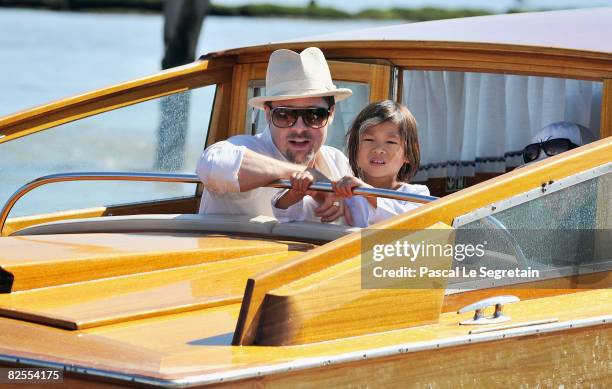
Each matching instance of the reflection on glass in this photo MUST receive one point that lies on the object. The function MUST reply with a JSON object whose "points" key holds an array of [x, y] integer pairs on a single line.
{"points": [[559, 233], [126, 139]]}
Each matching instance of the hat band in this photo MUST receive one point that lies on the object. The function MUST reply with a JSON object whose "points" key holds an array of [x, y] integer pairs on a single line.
{"points": [[299, 87]]}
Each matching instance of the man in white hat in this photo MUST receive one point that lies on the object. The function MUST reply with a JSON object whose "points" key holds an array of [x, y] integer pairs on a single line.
{"points": [[299, 106]]}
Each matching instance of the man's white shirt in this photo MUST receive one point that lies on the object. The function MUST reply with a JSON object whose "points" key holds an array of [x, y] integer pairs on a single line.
{"points": [[218, 169]]}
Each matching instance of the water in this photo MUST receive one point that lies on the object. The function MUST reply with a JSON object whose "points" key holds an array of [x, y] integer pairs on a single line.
{"points": [[47, 55]]}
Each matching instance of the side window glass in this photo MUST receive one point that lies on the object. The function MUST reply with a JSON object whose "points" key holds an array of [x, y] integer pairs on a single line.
{"points": [[474, 124], [564, 231], [160, 135], [346, 111]]}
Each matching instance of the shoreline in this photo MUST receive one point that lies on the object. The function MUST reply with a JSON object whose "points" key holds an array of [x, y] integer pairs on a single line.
{"points": [[255, 10]]}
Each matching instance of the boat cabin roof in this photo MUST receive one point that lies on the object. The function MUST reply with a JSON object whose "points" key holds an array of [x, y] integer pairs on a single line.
{"points": [[579, 29]]}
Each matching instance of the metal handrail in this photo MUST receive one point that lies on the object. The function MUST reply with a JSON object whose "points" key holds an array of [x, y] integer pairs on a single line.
{"points": [[368, 192], [186, 179]]}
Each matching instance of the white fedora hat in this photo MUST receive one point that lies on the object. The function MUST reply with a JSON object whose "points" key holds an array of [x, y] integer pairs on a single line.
{"points": [[294, 76]]}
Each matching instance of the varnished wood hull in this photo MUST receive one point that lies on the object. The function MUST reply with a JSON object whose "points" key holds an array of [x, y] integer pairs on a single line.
{"points": [[580, 356], [575, 357]]}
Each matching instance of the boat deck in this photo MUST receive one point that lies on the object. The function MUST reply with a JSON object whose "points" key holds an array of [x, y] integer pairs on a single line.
{"points": [[196, 346]]}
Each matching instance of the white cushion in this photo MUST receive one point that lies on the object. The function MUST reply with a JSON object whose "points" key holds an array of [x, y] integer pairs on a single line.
{"points": [[260, 225], [148, 223]]}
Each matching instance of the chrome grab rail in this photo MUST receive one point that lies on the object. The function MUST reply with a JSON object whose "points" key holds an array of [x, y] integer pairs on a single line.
{"points": [[90, 176], [368, 192], [181, 178]]}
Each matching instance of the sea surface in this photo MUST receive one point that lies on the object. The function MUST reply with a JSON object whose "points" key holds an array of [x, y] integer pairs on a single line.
{"points": [[49, 55]]}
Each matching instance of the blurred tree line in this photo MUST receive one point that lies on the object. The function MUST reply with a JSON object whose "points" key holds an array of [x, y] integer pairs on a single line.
{"points": [[309, 10]]}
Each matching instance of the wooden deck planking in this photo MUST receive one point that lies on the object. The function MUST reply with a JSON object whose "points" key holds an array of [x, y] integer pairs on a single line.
{"points": [[48, 260], [111, 300], [198, 342]]}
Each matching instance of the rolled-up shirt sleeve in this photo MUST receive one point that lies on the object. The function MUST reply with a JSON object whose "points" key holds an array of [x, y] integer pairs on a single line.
{"points": [[219, 165]]}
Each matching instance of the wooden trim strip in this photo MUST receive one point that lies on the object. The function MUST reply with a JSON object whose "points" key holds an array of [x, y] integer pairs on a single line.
{"points": [[240, 87], [400, 85], [380, 82], [248, 54], [474, 57], [605, 128], [161, 84], [501, 68], [219, 124]]}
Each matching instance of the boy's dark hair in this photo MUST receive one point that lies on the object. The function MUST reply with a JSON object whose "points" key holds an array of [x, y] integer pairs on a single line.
{"points": [[380, 112]]}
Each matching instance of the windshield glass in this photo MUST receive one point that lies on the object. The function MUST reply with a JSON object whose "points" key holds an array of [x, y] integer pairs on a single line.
{"points": [[161, 135], [560, 229]]}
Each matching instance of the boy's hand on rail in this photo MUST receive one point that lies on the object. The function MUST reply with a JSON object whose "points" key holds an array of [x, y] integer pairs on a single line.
{"points": [[301, 181], [343, 188]]}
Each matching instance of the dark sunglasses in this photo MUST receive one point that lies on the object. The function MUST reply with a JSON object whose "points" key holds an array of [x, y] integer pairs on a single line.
{"points": [[551, 147], [285, 117]]}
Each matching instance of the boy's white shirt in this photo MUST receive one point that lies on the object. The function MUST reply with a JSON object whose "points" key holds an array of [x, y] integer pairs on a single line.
{"points": [[363, 213]]}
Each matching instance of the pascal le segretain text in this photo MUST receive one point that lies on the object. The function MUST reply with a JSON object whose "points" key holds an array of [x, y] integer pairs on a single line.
{"points": [[457, 272]]}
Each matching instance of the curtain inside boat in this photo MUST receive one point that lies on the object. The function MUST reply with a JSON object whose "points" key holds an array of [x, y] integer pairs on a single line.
{"points": [[478, 122]]}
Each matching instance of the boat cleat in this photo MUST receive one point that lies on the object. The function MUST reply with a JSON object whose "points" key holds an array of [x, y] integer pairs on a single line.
{"points": [[479, 307]]}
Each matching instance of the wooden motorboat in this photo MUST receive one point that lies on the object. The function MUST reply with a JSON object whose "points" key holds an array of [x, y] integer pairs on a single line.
{"points": [[153, 294]]}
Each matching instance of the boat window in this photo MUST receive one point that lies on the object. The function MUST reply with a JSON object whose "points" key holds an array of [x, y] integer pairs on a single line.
{"points": [[134, 138], [559, 230], [345, 111], [473, 126]]}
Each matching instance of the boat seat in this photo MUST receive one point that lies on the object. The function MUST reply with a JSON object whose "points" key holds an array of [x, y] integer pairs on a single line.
{"points": [[261, 225], [258, 225]]}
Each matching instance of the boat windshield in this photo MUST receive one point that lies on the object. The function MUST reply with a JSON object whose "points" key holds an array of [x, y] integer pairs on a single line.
{"points": [[560, 229]]}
